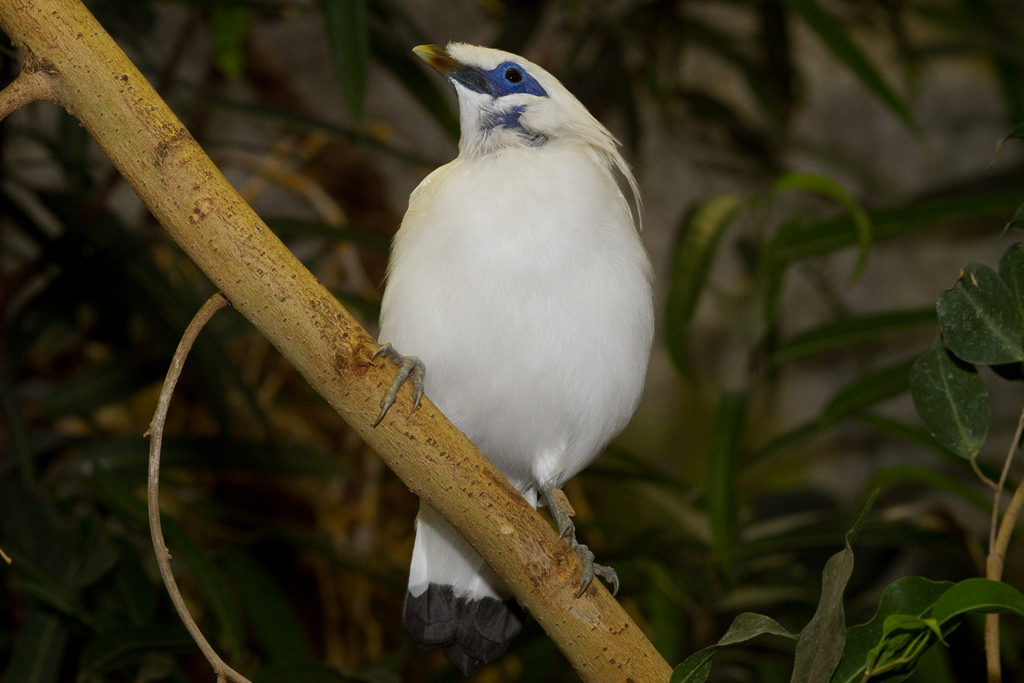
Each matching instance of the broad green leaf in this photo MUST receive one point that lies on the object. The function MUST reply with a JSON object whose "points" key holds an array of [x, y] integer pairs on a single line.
{"points": [[910, 595], [978, 596], [821, 642], [697, 667], [849, 331], [348, 38], [837, 39], [723, 455], [826, 187], [951, 398], [979, 318], [699, 236]]}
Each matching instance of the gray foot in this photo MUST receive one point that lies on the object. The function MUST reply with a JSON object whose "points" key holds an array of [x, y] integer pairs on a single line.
{"points": [[562, 513], [409, 368]]}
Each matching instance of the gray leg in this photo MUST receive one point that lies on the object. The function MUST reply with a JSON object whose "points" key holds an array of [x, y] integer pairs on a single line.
{"points": [[562, 513], [409, 368]]}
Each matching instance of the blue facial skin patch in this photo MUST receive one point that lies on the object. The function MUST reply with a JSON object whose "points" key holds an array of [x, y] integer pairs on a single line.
{"points": [[507, 78]]}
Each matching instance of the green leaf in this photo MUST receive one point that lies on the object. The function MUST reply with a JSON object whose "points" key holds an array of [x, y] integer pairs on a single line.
{"points": [[1011, 272], [746, 626], [229, 26], [825, 237], [700, 234], [272, 620], [121, 646], [38, 649], [723, 456], [394, 55], [910, 595], [826, 187], [214, 589], [913, 614], [936, 479], [837, 40], [1015, 132], [980, 320], [978, 596], [1017, 222], [951, 398], [851, 400], [849, 331], [821, 642], [348, 38], [867, 391]]}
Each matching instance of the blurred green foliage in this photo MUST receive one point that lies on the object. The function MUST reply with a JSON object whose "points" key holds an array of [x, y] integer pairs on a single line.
{"points": [[289, 538]]}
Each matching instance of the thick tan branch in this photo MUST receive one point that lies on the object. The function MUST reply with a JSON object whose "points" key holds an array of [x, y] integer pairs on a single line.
{"points": [[183, 189]]}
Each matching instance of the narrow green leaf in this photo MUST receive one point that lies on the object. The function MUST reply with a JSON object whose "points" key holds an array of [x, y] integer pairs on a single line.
{"points": [[17, 430], [697, 667], [214, 590], [272, 620], [911, 595], [699, 235], [951, 398], [825, 237], [933, 478], [1015, 132], [723, 456], [836, 38], [229, 26], [121, 646], [38, 649], [395, 56], [849, 401], [348, 38], [1017, 222], [1011, 271], [849, 331], [980, 320], [821, 642], [867, 391], [826, 187]]}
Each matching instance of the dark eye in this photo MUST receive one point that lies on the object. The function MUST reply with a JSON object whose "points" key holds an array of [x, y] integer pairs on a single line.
{"points": [[513, 75]]}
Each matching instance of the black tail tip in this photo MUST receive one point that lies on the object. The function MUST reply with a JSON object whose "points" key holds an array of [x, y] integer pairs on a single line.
{"points": [[472, 631]]}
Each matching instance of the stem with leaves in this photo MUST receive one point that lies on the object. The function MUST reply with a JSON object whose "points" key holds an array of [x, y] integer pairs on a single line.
{"points": [[999, 541]]}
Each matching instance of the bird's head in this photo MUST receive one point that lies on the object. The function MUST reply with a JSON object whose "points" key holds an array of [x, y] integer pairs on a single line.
{"points": [[505, 101]]}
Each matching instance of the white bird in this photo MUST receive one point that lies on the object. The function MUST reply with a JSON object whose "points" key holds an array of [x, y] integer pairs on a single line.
{"points": [[518, 280]]}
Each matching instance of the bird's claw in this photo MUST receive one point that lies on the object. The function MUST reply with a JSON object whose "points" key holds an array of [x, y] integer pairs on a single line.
{"points": [[409, 368], [592, 569], [567, 532]]}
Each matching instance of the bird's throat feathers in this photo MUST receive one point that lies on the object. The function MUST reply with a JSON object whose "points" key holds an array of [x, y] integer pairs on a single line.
{"points": [[529, 113]]}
